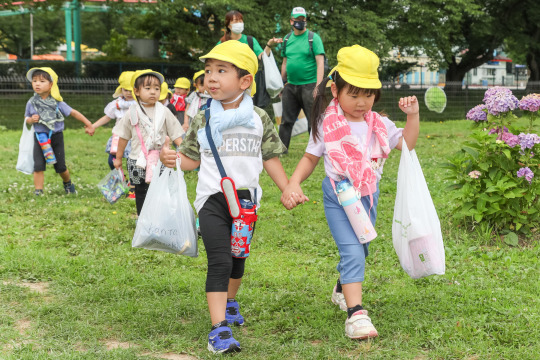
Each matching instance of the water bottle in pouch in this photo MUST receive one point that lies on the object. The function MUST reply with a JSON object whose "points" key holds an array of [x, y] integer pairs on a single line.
{"points": [[242, 229], [45, 143], [357, 215]]}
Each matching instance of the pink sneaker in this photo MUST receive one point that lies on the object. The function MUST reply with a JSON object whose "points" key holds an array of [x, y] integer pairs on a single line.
{"points": [[359, 326]]}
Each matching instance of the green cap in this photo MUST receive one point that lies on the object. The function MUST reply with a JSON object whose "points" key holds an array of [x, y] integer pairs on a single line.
{"points": [[297, 12]]}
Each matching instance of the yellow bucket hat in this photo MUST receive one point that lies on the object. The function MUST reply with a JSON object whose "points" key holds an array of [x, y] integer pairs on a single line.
{"points": [[55, 91], [238, 54], [197, 74], [164, 91], [358, 66], [125, 83], [137, 74], [182, 83]]}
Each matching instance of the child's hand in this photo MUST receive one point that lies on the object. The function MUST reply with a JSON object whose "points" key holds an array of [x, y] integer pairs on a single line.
{"points": [[89, 129], [292, 196], [117, 162], [409, 105], [185, 126], [167, 155], [35, 118]]}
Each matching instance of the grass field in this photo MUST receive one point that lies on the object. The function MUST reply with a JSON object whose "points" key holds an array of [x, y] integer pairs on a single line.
{"points": [[71, 286]]}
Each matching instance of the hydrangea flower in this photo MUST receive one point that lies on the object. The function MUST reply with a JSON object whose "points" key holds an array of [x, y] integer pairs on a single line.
{"points": [[500, 100], [475, 174], [477, 113], [527, 141], [525, 172], [510, 139], [530, 102]]}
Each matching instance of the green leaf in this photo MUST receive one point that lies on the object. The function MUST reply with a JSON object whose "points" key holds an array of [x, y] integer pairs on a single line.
{"points": [[471, 151], [511, 238], [507, 153]]}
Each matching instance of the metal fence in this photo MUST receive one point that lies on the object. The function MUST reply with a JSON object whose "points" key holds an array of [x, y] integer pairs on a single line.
{"points": [[90, 95]]}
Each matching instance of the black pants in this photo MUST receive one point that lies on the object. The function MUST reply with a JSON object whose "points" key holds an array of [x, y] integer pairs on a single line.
{"points": [[57, 144], [216, 223], [140, 195], [294, 98]]}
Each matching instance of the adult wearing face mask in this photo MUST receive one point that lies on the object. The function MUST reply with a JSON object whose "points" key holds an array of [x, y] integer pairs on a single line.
{"points": [[302, 70], [234, 28]]}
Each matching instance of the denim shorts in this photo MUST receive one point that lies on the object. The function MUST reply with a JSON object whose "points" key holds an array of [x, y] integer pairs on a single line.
{"points": [[352, 254]]}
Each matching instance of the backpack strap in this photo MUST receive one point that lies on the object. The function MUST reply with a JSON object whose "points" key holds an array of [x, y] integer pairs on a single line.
{"points": [[211, 141], [250, 41], [310, 40], [285, 39]]}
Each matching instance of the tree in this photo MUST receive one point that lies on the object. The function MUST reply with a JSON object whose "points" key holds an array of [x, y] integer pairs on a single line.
{"points": [[48, 33]]}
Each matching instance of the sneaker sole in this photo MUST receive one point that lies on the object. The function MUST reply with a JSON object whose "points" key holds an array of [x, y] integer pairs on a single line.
{"points": [[232, 349], [372, 334]]}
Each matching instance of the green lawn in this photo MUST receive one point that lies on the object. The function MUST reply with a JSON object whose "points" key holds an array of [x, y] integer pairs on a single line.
{"points": [[94, 297]]}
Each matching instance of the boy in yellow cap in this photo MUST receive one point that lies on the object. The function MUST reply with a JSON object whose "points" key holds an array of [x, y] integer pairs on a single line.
{"points": [[116, 109], [196, 101], [247, 142], [181, 90], [355, 142], [46, 111]]}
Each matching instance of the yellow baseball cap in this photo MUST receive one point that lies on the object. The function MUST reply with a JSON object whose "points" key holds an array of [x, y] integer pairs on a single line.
{"points": [[164, 91], [182, 83], [55, 91], [125, 83], [137, 74], [238, 54], [358, 66], [197, 74]]}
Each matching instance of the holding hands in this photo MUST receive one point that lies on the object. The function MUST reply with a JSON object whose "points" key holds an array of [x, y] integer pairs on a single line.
{"points": [[89, 129], [292, 196]]}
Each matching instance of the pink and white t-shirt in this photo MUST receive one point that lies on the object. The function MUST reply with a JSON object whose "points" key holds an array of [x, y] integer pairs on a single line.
{"points": [[358, 129]]}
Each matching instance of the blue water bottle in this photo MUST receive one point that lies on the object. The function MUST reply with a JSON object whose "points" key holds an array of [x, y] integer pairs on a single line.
{"points": [[44, 141]]}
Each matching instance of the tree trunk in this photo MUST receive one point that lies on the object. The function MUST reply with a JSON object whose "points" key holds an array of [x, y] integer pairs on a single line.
{"points": [[454, 76], [533, 57]]}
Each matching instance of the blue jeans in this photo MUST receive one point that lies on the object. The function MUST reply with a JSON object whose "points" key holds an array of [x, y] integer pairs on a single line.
{"points": [[352, 254]]}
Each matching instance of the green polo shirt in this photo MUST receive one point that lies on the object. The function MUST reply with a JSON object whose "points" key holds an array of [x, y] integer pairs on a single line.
{"points": [[257, 49], [301, 64]]}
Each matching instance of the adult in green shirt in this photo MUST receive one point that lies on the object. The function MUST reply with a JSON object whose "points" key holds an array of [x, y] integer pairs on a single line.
{"points": [[302, 70], [234, 27]]}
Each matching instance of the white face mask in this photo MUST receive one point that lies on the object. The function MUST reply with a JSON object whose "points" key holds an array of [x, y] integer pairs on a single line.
{"points": [[237, 28]]}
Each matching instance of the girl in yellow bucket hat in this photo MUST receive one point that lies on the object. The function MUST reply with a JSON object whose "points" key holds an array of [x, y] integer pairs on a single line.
{"points": [[116, 109], [354, 141]]}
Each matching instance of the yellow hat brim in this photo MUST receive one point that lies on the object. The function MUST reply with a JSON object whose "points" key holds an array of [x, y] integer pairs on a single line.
{"points": [[197, 74], [140, 73], [358, 81], [55, 91], [233, 61]]}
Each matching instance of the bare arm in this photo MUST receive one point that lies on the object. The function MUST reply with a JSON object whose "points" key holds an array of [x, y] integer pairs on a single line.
{"points": [[168, 157], [274, 168], [102, 121], [409, 105], [319, 59], [122, 143], [87, 124], [303, 170], [284, 70]]}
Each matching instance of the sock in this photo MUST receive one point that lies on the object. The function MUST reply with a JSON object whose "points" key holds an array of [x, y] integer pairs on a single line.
{"points": [[231, 300], [339, 289], [67, 183], [351, 311], [219, 324], [38, 191]]}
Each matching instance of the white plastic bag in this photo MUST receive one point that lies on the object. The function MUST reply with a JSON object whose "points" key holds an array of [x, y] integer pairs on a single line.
{"points": [[300, 126], [416, 230], [167, 221], [25, 161], [278, 112], [272, 75]]}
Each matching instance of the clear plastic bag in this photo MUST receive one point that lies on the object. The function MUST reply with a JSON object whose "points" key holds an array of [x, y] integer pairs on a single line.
{"points": [[113, 186], [416, 230], [167, 221], [272, 75], [25, 160]]}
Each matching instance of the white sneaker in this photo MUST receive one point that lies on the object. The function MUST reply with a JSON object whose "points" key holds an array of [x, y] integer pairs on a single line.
{"points": [[359, 326], [339, 299]]}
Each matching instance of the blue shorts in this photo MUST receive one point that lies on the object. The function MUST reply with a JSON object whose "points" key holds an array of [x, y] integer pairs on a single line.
{"points": [[352, 254]]}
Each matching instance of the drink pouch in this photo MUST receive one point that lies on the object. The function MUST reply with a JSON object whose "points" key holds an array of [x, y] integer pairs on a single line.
{"points": [[44, 141], [242, 229], [114, 144], [151, 161]]}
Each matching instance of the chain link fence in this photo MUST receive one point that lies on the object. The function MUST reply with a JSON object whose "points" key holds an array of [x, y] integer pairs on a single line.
{"points": [[91, 95]]}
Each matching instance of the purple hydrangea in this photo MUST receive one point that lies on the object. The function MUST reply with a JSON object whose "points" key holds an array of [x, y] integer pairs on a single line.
{"points": [[527, 141], [477, 113], [500, 100], [495, 130], [525, 172], [510, 139], [530, 102]]}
